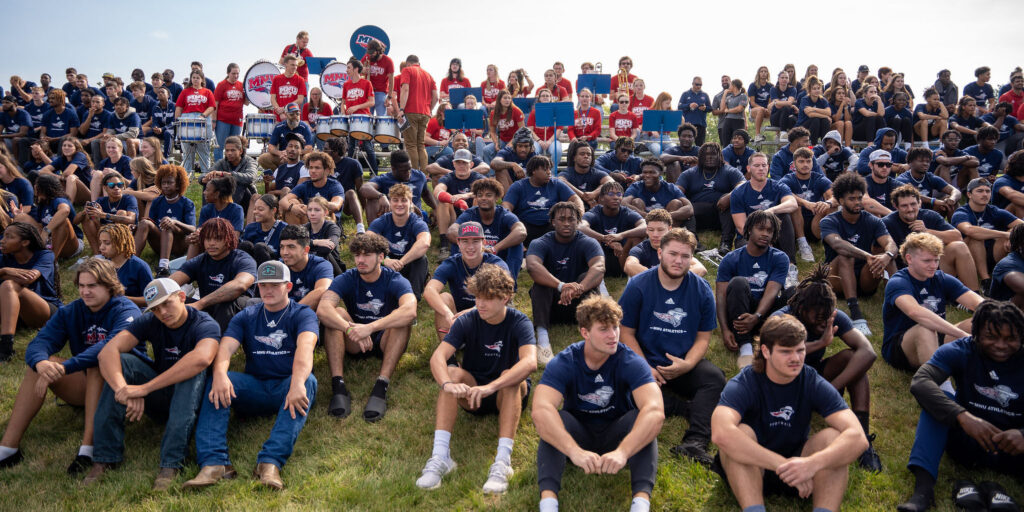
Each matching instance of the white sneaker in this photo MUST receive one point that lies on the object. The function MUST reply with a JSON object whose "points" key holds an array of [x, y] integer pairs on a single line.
{"points": [[81, 247], [805, 253], [793, 276], [497, 478], [435, 469], [544, 356], [862, 326]]}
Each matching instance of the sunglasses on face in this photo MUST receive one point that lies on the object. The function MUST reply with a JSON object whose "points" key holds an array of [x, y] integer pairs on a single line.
{"points": [[115, 184], [623, 103], [883, 164]]}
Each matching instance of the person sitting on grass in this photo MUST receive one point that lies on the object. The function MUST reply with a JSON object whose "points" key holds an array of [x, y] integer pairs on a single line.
{"points": [[532, 198], [376, 320], [651, 192], [503, 231], [117, 245], [278, 337], [498, 355], [644, 255], [1008, 275], [949, 160], [611, 409], [454, 192], [750, 285], [851, 237], [52, 216], [885, 139], [453, 272], [986, 228], [914, 310], [668, 316], [29, 283], [223, 274], [311, 275], [782, 161], [909, 218], [618, 229], [1008, 189], [113, 207], [981, 426], [84, 325], [218, 195], [942, 197], [566, 266], [768, 195], [320, 167], [812, 191], [349, 173], [831, 155], [261, 237], [991, 161], [814, 305], [167, 388], [324, 234], [171, 218], [580, 174], [707, 186], [376, 191], [763, 421], [408, 238]]}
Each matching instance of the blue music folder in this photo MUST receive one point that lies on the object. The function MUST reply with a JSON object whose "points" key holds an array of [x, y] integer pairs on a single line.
{"points": [[554, 114], [524, 104], [662, 120], [457, 96], [598, 84], [464, 119], [316, 64]]}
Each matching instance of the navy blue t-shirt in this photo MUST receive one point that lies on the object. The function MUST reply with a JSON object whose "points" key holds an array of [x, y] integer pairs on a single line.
{"points": [[282, 129], [665, 194], [254, 233], [899, 230], [805, 102], [760, 95], [861, 234], [367, 302], [233, 213], [488, 350], [417, 181], [737, 161], [566, 262], [509, 155], [12, 124], [596, 397], [780, 414], [42, 261], [59, 125], [586, 182], [843, 323], [929, 186], [882, 192], [35, 112], [121, 125], [1003, 181], [934, 293], [773, 265], [134, 274], [21, 188], [347, 171], [990, 218], [989, 163], [783, 164], [455, 185], [83, 330], [1007, 128], [986, 388], [496, 231], [531, 204], [84, 172], [400, 239], [122, 165], [667, 321], [623, 221], [183, 210], [694, 151], [699, 188], [646, 254], [288, 175], [832, 164], [270, 339], [303, 281], [610, 163], [170, 345], [744, 199], [980, 93], [307, 190], [1010, 263], [448, 162], [812, 189], [143, 108], [776, 94], [453, 272], [211, 274], [97, 123], [43, 212]]}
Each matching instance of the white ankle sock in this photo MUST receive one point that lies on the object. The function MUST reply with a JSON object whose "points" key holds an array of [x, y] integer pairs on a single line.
{"points": [[85, 450], [164, 263], [360, 228], [746, 349], [6, 451], [542, 337], [549, 505], [504, 450], [639, 505], [603, 289], [441, 440], [802, 241]]}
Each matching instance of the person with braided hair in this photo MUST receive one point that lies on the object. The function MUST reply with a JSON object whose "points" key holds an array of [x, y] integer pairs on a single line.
{"points": [[29, 283], [117, 244], [814, 305], [1008, 275], [981, 425]]}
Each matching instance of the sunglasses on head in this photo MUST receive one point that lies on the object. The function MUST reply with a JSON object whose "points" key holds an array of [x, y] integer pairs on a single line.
{"points": [[115, 184]]}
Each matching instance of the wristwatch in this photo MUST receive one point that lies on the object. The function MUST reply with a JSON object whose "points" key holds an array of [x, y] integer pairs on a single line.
{"points": [[891, 255], [758, 315]]}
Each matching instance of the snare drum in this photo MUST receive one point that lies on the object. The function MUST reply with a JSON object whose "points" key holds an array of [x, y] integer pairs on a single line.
{"points": [[339, 126], [192, 129], [323, 127], [360, 126], [259, 126], [385, 130]]}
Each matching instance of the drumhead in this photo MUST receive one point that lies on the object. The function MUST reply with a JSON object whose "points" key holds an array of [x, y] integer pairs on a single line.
{"points": [[332, 79], [257, 83]]}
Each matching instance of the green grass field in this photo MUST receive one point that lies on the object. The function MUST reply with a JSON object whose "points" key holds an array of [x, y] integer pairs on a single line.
{"points": [[352, 465]]}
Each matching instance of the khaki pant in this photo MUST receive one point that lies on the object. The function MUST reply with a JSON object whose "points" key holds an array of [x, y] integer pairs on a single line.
{"points": [[413, 137]]}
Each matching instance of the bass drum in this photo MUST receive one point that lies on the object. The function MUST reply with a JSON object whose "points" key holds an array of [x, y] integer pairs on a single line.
{"points": [[257, 83], [332, 80]]}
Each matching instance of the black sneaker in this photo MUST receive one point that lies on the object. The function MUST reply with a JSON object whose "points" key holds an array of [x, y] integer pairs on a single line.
{"points": [[724, 248], [163, 272], [870, 460], [80, 464], [694, 448], [12, 460]]}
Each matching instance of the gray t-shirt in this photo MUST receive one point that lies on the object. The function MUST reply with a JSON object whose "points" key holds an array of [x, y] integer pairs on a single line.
{"points": [[733, 101], [717, 102]]}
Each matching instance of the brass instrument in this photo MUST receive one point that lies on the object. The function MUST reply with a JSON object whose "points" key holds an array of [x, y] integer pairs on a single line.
{"points": [[623, 76]]}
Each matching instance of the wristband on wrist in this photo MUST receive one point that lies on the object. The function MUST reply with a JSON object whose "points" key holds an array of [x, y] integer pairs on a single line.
{"points": [[560, 285], [445, 384], [347, 331]]}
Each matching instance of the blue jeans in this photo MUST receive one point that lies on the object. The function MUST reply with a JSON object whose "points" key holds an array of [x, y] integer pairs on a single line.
{"points": [[435, 152], [255, 397], [653, 143], [224, 130], [554, 152], [174, 405], [380, 106]]}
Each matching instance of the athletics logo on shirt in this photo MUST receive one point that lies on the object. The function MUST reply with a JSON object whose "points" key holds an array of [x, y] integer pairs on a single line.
{"points": [[540, 202], [758, 279], [854, 239], [1002, 394], [673, 317], [495, 347], [398, 246], [932, 303], [600, 398], [373, 306], [219, 278], [174, 351], [785, 413], [274, 339], [95, 334]]}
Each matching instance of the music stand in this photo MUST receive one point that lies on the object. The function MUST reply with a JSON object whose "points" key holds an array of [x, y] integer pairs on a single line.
{"points": [[316, 64], [554, 115], [457, 96], [662, 121], [524, 104], [598, 84], [464, 119]]}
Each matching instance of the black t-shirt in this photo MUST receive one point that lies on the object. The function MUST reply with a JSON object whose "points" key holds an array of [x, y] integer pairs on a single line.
{"points": [[170, 345], [488, 350]]}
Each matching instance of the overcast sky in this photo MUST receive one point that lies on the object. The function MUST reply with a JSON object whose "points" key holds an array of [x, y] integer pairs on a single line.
{"points": [[669, 42]]}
